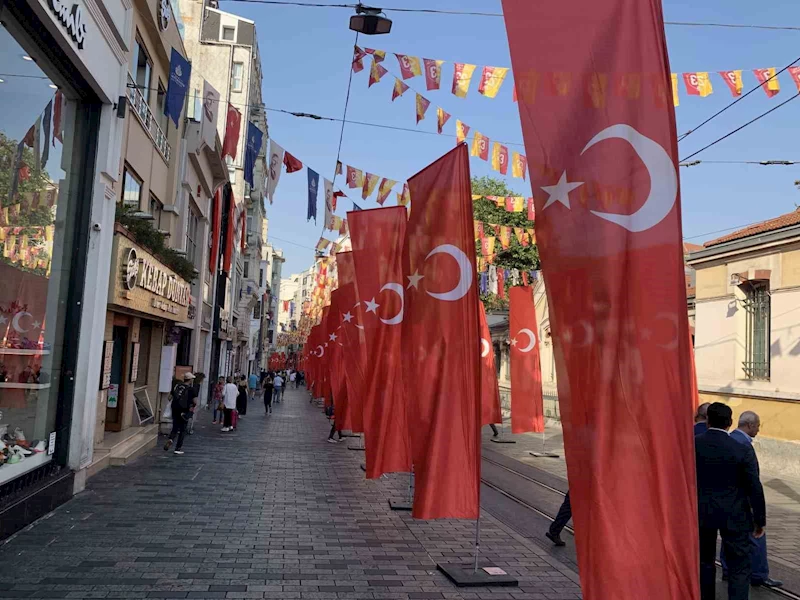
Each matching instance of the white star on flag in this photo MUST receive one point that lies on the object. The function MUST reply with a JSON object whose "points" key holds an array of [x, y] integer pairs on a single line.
{"points": [[347, 317], [514, 341], [560, 191], [372, 306], [36, 325], [3, 320], [332, 337], [413, 280]]}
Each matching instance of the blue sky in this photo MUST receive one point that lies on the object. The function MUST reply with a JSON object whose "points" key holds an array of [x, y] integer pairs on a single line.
{"points": [[306, 54]]}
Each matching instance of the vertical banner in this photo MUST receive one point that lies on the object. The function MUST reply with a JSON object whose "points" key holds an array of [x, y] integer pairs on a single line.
{"points": [[274, 170], [208, 123], [216, 224], [354, 351], [377, 236], [490, 389], [179, 72], [527, 403], [255, 139], [440, 334], [313, 192], [633, 488], [233, 128], [327, 185]]}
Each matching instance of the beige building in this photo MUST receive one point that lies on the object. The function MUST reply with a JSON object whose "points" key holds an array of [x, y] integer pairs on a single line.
{"points": [[747, 346]]}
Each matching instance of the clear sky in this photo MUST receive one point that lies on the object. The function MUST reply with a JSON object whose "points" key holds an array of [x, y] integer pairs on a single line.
{"points": [[306, 54]]}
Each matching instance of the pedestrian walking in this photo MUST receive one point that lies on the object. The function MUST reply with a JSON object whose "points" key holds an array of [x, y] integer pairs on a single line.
{"points": [[700, 417], [748, 427], [267, 385], [218, 400], [293, 378], [561, 520], [241, 401], [730, 501], [277, 386], [329, 412], [183, 396], [252, 384], [495, 433], [230, 394]]}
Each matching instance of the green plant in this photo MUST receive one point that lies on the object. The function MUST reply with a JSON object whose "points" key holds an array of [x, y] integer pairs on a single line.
{"points": [[154, 241]]}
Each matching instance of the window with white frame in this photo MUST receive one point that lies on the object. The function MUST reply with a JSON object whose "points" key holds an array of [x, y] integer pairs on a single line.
{"points": [[757, 309], [131, 189], [236, 76], [229, 33]]}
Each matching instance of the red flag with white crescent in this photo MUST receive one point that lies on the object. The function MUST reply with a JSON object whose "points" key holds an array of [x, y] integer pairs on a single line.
{"points": [[620, 328], [440, 332], [354, 350], [233, 128], [377, 236], [336, 354], [527, 403], [490, 389]]}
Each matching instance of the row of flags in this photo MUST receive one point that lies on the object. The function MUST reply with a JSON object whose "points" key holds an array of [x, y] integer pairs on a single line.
{"points": [[596, 85], [482, 147], [369, 183], [404, 307], [512, 204], [491, 78]]}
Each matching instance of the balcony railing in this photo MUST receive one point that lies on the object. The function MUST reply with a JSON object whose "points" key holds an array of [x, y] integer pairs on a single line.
{"points": [[142, 111]]}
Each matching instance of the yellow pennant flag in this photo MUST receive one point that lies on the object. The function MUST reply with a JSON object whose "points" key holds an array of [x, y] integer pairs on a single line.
{"points": [[441, 118], [370, 181], [480, 146], [491, 80], [384, 189], [532, 234], [487, 245], [519, 203], [422, 107], [404, 197], [675, 100], [505, 237], [519, 164], [462, 130], [462, 77]]}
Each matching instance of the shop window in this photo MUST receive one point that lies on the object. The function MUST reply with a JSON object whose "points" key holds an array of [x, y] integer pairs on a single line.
{"points": [[156, 211], [143, 69], [46, 135], [236, 76], [145, 339], [757, 330], [131, 189], [228, 33], [246, 269]]}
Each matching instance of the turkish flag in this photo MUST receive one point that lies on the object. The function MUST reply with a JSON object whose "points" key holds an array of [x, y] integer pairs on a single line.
{"points": [[440, 332], [227, 255], [616, 296], [233, 130], [490, 390], [336, 355], [527, 404], [354, 350], [216, 226], [291, 163], [377, 236]]}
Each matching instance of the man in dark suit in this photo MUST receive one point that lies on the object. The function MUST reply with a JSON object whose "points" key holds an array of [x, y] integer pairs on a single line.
{"points": [[730, 500], [700, 418]]}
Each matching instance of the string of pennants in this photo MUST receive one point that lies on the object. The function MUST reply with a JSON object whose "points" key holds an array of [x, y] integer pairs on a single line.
{"points": [[627, 85]]}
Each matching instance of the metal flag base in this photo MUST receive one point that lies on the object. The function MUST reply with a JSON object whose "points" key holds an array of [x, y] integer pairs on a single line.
{"points": [[364, 467], [351, 435], [468, 576], [500, 440], [544, 454], [399, 504], [355, 448]]}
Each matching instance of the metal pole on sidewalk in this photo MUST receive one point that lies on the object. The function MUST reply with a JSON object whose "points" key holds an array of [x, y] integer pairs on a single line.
{"points": [[410, 484], [477, 540]]}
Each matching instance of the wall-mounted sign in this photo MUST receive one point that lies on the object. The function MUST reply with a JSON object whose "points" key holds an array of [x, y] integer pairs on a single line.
{"points": [[113, 395], [108, 353], [143, 284], [134, 362], [71, 17], [164, 14]]}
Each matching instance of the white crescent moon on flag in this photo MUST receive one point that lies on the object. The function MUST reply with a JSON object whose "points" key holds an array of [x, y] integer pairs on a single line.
{"points": [[397, 289], [663, 179], [672, 345], [15, 321], [485, 347], [531, 340], [588, 333], [321, 351], [465, 273]]}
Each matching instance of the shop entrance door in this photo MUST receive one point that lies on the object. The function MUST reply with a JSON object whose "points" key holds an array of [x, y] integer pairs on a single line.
{"points": [[115, 403]]}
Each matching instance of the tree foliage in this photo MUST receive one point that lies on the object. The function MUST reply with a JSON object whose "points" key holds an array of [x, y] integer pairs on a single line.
{"points": [[517, 256]]}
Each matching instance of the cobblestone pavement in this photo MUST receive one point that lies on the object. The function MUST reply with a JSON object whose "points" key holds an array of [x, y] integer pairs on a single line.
{"points": [[270, 511], [783, 497]]}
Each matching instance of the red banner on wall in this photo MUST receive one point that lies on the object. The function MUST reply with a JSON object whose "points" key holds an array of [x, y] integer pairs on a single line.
{"points": [[440, 335], [615, 282], [527, 409]]}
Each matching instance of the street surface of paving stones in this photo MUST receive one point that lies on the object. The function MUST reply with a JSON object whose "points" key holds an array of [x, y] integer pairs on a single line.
{"points": [[269, 511]]}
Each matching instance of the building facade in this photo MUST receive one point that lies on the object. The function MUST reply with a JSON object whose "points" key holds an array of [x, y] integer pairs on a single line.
{"points": [[64, 69], [747, 348]]}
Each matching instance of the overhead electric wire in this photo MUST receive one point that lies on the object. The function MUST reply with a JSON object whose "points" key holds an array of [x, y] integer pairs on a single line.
{"points": [[738, 129], [739, 99], [437, 11]]}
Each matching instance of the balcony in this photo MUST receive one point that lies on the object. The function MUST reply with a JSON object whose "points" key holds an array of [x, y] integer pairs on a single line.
{"points": [[142, 111]]}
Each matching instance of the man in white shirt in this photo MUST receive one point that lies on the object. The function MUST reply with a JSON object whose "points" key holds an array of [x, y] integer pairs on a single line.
{"points": [[293, 378], [229, 395], [277, 388]]}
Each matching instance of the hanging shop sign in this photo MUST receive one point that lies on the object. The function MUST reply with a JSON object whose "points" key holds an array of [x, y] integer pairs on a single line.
{"points": [[143, 284], [71, 18]]}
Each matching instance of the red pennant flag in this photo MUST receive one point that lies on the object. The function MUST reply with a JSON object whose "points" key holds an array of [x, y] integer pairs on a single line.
{"points": [[358, 62], [377, 236], [233, 127], [354, 351], [433, 73], [409, 66], [399, 89], [378, 55], [490, 390], [733, 79], [501, 280], [422, 107], [768, 80], [376, 72], [462, 131], [611, 378], [384, 189], [441, 118], [355, 177], [527, 403], [440, 331], [336, 196], [795, 73], [291, 163], [531, 210]]}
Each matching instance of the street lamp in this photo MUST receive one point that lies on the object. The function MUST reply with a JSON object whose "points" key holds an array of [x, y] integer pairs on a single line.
{"points": [[369, 21]]}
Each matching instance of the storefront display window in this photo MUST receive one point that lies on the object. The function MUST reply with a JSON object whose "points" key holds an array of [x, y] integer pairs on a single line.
{"points": [[37, 216]]}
